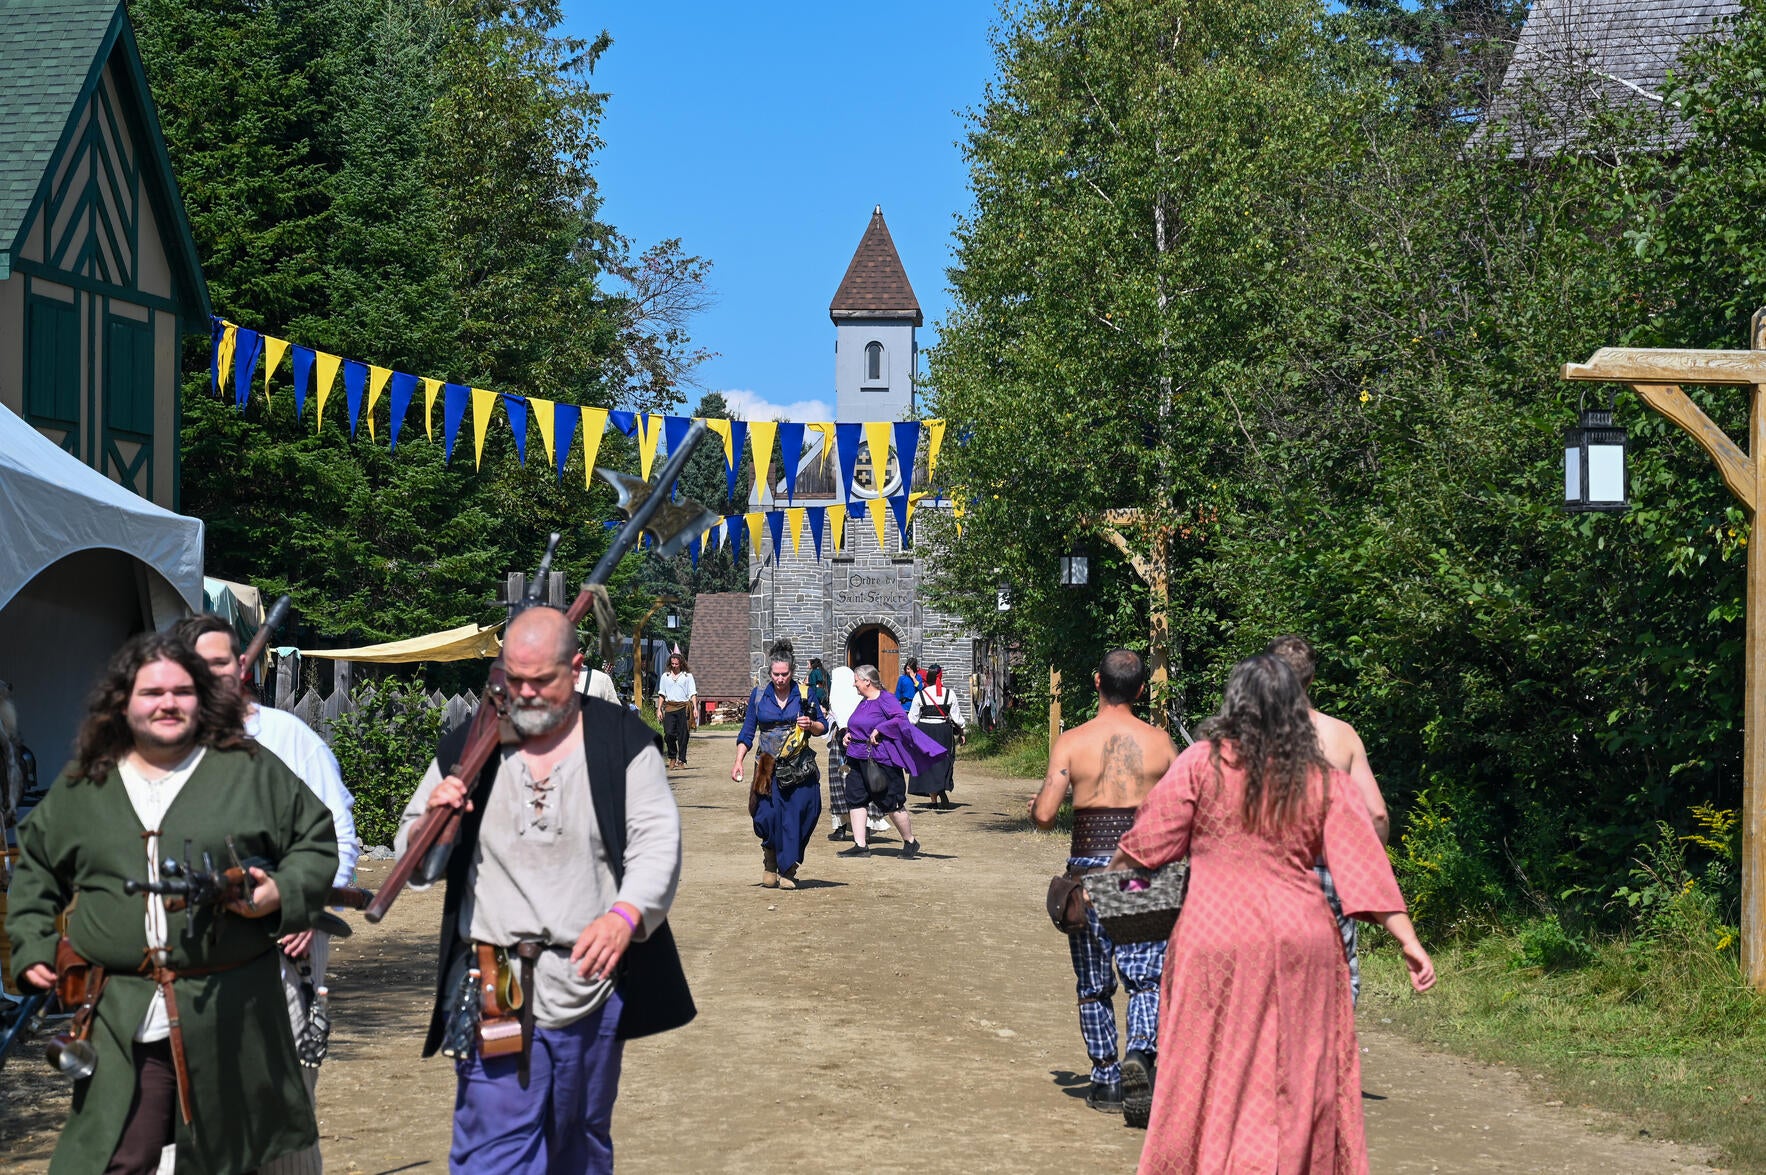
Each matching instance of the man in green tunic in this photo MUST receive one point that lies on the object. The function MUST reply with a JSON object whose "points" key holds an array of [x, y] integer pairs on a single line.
{"points": [[190, 1029]]}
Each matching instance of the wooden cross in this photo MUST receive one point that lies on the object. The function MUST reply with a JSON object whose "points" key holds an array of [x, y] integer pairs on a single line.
{"points": [[1656, 374]]}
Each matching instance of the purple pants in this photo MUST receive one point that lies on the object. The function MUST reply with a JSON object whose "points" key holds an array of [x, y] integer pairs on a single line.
{"points": [[562, 1122]]}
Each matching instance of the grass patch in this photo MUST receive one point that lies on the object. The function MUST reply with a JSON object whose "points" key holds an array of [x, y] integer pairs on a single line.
{"points": [[1660, 1028], [1022, 754]]}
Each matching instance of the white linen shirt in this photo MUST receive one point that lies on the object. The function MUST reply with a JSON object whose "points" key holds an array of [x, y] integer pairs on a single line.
{"points": [[150, 798], [303, 752], [676, 687]]}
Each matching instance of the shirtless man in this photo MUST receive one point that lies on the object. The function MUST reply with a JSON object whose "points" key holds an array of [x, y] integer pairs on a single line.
{"points": [[1110, 764], [1343, 748]]}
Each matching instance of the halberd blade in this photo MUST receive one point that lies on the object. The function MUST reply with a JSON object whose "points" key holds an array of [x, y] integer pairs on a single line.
{"points": [[674, 524]]}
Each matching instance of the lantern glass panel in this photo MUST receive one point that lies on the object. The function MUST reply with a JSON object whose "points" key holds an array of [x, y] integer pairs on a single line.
{"points": [[1572, 475], [1606, 473]]}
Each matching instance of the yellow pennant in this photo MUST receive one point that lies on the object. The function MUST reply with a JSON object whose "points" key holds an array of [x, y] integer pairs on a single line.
{"points": [[483, 404], [794, 518], [594, 424], [956, 513], [761, 433], [431, 389], [224, 362], [721, 427], [880, 519], [274, 350], [934, 442], [542, 416], [756, 531], [913, 501], [649, 434], [377, 377], [837, 525], [826, 428], [325, 366], [877, 437]]}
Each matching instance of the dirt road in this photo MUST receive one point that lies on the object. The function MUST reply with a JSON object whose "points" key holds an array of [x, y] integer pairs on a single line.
{"points": [[892, 1016]]}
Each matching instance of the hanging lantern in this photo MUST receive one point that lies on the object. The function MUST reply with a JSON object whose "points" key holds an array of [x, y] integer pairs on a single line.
{"points": [[1596, 473], [1004, 599], [1076, 567]]}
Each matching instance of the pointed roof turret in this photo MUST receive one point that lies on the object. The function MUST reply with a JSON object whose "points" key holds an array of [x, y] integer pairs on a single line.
{"points": [[876, 285]]}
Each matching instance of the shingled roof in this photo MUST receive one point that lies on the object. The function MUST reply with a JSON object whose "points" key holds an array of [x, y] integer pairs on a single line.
{"points": [[876, 285], [1575, 57]]}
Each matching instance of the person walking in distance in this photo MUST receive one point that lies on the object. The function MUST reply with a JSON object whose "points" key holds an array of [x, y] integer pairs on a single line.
{"points": [[189, 1025], [1108, 765], [785, 795], [938, 715], [1343, 750], [559, 882], [843, 699], [677, 705], [882, 747], [304, 955]]}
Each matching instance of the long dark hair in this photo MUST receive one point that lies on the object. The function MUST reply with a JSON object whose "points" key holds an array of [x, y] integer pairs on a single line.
{"points": [[105, 736], [1266, 716]]}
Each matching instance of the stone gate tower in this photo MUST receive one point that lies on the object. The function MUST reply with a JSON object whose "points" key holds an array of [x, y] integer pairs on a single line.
{"points": [[861, 605]]}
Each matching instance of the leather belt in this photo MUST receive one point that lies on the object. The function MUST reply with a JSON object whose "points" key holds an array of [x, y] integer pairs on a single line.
{"points": [[527, 952], [164, 977]]}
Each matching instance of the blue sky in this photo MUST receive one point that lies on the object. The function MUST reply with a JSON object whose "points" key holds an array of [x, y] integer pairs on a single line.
{"points": [[762, 135]]}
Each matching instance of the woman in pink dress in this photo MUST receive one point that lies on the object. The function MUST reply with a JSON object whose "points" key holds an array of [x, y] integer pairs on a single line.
{"points": [[1258, 1065]]}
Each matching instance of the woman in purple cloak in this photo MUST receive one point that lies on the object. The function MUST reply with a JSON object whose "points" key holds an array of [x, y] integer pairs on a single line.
{"points": [[882, 749]]}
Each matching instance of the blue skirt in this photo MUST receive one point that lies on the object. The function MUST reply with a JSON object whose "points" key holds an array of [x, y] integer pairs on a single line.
{"points": [[786, 818]]}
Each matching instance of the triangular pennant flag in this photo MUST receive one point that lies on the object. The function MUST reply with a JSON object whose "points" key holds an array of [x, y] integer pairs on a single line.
{"points": [[325, 375], [756, 520], [914, 504], [877, 434], [274, 349], [303, 378], [760, 436], [224, 357], [847, 438], [246, 345], [693, 553], [403, 388], [907, 444], [454, 398], [734, 535], [543, 416], [775, 520], [515, 407], [934, 441], [649, 434], [377, 377], [790, 454], [837, 525], [217, 330], [899, 505], [956, 516], [674, 431], [355, 386], [594, 424], [564, 421], [430, 388], [625, 422], [794, 516], [816, 514], [879, 509], [720, 427], [738, 442], [483, 403], [826, 428]]}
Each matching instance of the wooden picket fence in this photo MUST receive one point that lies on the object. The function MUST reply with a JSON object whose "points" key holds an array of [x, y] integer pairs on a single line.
{"points": [[319, 713]]}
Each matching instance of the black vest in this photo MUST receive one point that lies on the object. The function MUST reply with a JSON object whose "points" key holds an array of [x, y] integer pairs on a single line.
{"points": [[651, 983]]}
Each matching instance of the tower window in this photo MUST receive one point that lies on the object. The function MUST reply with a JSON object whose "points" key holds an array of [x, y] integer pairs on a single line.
{"points": [[873, 362]]}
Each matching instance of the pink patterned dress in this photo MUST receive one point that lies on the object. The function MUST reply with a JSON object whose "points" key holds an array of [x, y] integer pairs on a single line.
{"points": [[1258, 1065]]}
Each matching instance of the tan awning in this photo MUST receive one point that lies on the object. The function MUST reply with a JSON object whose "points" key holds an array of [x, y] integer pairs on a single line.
{"points": [[469, 642]]}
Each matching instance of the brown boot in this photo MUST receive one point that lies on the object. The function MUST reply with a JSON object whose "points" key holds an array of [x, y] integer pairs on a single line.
{"points": [[769, 866]]}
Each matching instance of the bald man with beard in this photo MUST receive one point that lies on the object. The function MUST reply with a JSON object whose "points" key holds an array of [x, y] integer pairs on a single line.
{"points": [[540, 875]]}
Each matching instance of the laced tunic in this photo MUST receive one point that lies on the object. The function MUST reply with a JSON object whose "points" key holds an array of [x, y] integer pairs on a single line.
{"points": [[1258, 1065]]}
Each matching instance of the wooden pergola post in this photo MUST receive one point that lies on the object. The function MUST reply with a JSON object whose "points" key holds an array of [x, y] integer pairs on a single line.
{"points": [[1656, 374], [1154, 569]]}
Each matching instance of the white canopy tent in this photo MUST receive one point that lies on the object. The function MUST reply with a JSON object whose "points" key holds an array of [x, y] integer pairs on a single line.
{"points": [[84, 563]]}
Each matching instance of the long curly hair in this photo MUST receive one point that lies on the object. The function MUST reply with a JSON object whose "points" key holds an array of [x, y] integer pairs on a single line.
{"points": [[1266, 717], [105, 736]]}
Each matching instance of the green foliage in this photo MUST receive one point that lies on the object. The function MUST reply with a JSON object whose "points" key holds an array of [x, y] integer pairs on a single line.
{"points": [[1544, 944], [1248, 268], [1448, 883], [1020, 754], [383, 747]]}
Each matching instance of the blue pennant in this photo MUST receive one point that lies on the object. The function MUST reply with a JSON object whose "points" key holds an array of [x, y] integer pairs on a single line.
{"points": [[454, 398], [847, 438], [736, 527], [247, 346], [625, 422], [215, 331], [899, 504], [775, 520], [355, 386], [693, 551], [815, 515], [303, 378], [790, 455], [674, 431], [565, 418], [515, 407], [403, 388], [738, 442], [907, 444]]}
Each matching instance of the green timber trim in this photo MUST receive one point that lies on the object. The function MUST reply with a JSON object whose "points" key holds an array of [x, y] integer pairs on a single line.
{"points": [[89, 285]]}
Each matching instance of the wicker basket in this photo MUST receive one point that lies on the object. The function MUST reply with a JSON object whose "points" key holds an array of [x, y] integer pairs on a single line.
{"points": [[1145, 915]]}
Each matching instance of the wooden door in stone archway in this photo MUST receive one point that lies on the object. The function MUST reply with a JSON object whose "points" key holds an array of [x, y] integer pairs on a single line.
{"points": [[888, 659]]}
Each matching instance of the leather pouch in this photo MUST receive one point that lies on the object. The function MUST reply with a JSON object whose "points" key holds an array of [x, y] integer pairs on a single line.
{"points": [[499, 1022], [1067, 903]]}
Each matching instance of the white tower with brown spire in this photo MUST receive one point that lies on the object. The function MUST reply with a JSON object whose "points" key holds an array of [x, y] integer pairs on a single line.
{"points": [[875, 313]]}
